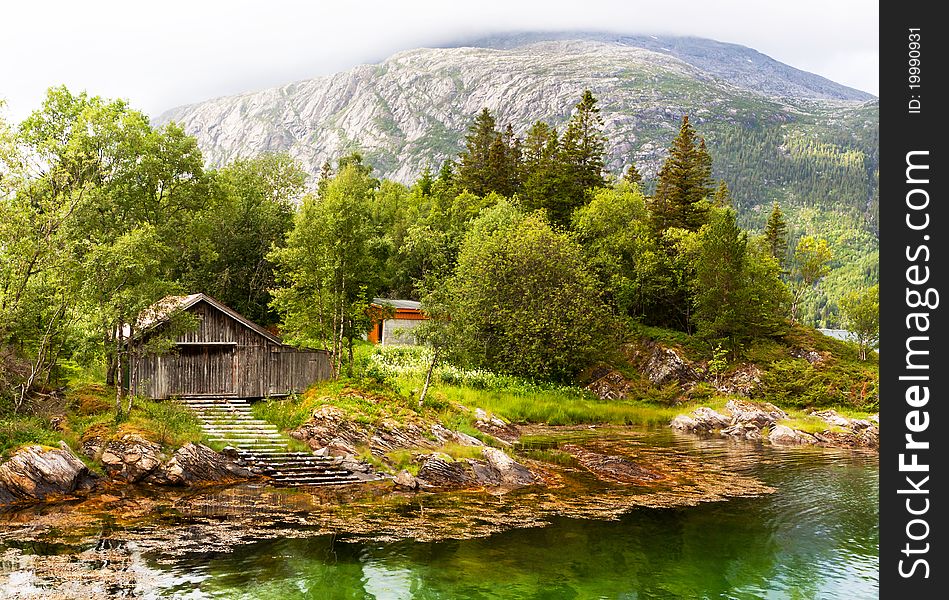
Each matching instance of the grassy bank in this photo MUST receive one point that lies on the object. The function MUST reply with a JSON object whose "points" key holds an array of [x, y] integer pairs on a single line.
{"points": [[389, 381], [85, 409]]}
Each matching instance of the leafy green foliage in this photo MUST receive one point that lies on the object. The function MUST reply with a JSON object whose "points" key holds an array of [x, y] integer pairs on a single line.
{"points": [[861, 309], [523, 300]]}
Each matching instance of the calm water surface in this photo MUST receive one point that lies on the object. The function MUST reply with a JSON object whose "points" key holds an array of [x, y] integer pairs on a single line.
{"points": [[817, 536]]}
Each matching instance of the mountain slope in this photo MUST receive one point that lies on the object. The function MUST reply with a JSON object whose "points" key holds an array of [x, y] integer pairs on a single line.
{"points": [[776, 133]]}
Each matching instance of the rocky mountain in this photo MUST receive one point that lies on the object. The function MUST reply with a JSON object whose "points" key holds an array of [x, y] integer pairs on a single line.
{"points": [[776, 133], [412, 109]]}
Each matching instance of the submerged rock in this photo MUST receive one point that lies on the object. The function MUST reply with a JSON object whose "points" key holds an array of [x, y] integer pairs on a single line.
{"points": [[196, 464], [743, 430], [35, 472], [611, 467], [131, 457]]}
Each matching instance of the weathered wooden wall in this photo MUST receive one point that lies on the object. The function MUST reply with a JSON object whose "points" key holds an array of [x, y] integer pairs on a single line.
{"points": [[225, 357]]}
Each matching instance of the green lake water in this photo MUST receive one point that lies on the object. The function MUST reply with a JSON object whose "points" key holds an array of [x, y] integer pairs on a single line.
{"points": [[816, 536]]}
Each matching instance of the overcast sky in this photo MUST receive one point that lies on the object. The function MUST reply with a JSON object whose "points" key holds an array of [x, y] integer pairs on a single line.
{"points": [[163, 54]]}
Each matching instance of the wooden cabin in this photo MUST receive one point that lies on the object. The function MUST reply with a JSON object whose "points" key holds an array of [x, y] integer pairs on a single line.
{"points": [[393, 321], [227, 355]]}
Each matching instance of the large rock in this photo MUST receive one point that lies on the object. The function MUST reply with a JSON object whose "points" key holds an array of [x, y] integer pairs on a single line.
{"points": [[441, 470], [510, 472], [610, 384], [406, 480], [702, 420], [743, 431], [196, 464], [330, 430], [760, 414], [782, 435], [131, 457], [36, 472], [666, 366], [684, 423], [831, 417], [495, 427]]}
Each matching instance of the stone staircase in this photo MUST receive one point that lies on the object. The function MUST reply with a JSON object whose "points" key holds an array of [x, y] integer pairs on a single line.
{"points": [[260, 445]]}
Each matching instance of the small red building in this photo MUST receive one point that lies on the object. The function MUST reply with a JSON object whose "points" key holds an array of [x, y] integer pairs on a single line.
{"points": [[393, 321]]}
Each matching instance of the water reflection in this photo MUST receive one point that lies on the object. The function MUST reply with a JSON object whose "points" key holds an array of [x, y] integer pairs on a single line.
{"points": [[816, 536]]}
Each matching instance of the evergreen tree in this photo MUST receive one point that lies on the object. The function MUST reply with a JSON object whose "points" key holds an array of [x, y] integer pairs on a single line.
{"points": [[722, 197], [474, 161], [542, 172], [490, 161], [684, 181], [583, 147], [776, 234], [632, 174]]}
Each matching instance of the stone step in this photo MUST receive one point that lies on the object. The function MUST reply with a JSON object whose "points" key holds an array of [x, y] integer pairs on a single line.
{"points": [[293, 463], [315, 483], [244, 433], [306, 469]]}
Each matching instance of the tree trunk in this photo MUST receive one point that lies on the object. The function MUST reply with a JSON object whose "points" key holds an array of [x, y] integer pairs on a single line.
{"points": [[349, 343], [428, 376]]}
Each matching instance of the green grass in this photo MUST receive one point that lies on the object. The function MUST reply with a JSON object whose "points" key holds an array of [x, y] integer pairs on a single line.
{"points": [[90, 408], [809, 424]]}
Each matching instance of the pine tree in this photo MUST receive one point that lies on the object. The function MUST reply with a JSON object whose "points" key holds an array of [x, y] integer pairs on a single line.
{"points": [[776, 235], [632, 175], [491, 159], [582, 149], [722, 197], [474, 161], [684, 181], [542, 171]]}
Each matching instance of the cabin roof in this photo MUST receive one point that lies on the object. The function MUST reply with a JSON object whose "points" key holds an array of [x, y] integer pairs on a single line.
{"points": [[164, 308], [398, 304]]}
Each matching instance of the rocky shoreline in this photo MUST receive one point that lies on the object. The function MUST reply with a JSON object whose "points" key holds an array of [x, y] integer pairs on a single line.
{"points": [[758, 421], [35, 473]]}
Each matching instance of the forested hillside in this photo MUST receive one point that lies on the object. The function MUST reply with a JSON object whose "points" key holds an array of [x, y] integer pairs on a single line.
{"points": [[775, 133], [531, 259]]}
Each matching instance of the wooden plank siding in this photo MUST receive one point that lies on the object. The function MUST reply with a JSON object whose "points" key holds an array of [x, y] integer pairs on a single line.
{"points": [[225, 356]]}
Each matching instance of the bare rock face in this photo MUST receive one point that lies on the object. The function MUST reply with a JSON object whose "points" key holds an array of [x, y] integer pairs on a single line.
{"points": [[782, 435], [131, 458], [329, 428], [610, 385], [745, 381], [760, 414], [414, 107], [665, 365], [440, 470], [35, 472], [510, 472], [495, 427], [196, 464]]}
